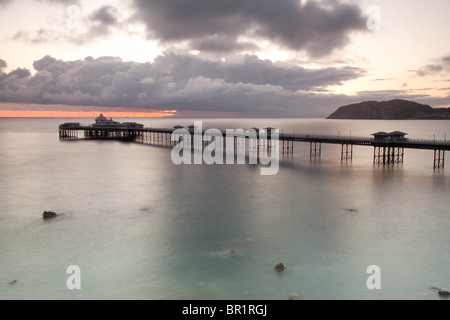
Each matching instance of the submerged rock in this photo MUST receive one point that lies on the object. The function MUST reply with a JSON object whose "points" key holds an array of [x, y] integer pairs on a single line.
{"points": [[49, 215], [444, 293], [280, 267]]}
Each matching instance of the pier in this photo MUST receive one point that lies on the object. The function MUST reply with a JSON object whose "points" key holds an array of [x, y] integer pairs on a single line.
{"points": [[389, 148]]}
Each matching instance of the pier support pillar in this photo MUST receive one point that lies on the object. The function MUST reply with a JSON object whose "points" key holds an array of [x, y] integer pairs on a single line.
{"points": [[288, 146], [347, 152], [399, 154], [315, 149], [386, 155], [266, 144], [67, 134], [439, 158]]}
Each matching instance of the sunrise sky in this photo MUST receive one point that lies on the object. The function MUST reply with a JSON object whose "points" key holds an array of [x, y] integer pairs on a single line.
{"points": [[259, 58]]}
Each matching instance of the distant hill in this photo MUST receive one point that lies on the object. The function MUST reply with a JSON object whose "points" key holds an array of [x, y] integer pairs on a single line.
{"points": [[390, 110]]}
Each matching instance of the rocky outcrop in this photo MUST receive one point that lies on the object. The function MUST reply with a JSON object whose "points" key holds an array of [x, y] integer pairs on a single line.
{"points": [[444, 293], [280, 267], [49, 215], [389, 110]]}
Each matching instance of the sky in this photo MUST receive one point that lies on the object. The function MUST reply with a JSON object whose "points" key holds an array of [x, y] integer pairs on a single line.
{"points": [[219, 58]]}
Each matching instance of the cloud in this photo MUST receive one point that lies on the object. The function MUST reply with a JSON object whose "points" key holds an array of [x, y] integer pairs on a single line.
{"points": [[185, 82], [218, 44], [175, 81], [99, 24], [381, 95], [317, 27], [3, 65], [20, 73], [106, 15], [429, 69], [189, 83], [66, 2], [45, 62], [13, 80], [385, 95], [103, 21], [440, 66], [39, 36], [220, 26], [249, 69], [4, 2]]}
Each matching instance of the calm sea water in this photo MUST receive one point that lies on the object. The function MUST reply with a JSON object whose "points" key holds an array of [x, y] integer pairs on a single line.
{"points": [[140, 227]]}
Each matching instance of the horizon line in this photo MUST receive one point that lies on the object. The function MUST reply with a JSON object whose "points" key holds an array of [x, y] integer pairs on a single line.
{"points": [[85, 114]]}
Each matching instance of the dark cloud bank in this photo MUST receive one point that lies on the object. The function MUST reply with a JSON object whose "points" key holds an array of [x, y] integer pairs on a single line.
{"points": [[186, 83], [242, 83], [175, 81], [221, 28], [315, 27]]}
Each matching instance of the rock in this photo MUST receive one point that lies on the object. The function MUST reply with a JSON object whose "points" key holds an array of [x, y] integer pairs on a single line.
{"points": [[49, 215], [444, 293], [392, 110], [280, 267]]}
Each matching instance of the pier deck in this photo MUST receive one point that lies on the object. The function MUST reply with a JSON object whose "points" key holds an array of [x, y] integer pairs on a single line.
{"points": [[385, 152]]}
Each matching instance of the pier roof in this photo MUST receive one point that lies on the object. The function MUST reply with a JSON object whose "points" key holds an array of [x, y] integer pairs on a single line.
{"points": [[386, 134], [381, 133], [398, 133]]}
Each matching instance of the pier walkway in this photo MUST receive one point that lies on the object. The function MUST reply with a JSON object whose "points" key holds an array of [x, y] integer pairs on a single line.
{"points": [[388, 148]]}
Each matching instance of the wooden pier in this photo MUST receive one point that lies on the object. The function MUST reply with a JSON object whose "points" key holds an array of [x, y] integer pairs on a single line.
{"points": [[388, 148]]}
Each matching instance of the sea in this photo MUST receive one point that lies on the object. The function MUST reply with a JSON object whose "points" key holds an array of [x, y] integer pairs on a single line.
{"points": [[132, 225]]}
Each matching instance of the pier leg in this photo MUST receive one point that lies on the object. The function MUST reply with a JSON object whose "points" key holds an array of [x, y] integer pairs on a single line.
{"points": [[347, 152], [315, 149], [379, 155], [388, 155], [376, 155], [288, 147], [399, 154], [439, 158]]}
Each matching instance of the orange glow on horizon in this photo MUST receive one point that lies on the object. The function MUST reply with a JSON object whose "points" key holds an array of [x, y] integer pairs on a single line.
{"points": [[84, 114]]}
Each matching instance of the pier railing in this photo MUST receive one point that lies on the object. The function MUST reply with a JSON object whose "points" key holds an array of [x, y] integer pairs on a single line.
{"points": [[282, 136], [386, 150]]}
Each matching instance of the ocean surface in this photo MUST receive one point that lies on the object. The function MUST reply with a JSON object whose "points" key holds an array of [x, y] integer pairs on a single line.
{"points": [[140, 227]]}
